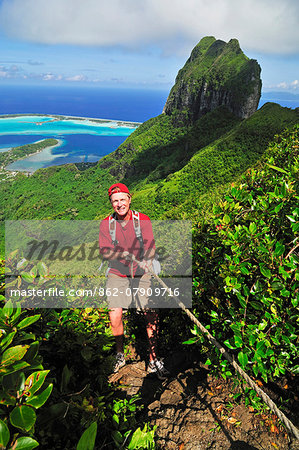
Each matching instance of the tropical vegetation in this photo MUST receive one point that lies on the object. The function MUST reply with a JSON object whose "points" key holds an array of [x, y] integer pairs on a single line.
{"points": [[237, 180], [55, 363]]}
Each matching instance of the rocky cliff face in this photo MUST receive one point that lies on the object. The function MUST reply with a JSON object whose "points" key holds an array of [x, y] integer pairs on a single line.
{"points": [[216, 74]]}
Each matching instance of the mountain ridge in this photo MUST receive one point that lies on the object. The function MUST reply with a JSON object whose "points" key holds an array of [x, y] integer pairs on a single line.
{"points": [[216, 74]]}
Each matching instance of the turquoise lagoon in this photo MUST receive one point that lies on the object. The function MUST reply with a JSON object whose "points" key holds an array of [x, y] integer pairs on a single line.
{"points": [[80, 139]]}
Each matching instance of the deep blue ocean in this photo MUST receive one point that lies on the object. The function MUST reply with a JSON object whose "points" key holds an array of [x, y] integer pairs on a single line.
{"points": [[119, 104], [137, 105]]}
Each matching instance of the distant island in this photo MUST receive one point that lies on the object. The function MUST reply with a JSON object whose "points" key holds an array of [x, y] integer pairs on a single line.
{"points": [[55, 117], [23, 151], [20, 127]]}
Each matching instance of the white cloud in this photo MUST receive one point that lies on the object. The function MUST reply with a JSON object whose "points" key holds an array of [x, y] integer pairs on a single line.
{"points": [[12, 71], [58, 77], [282, 85], [174, 25], [3, 74], [293, 86], [48, 77], [17, 72], [76, 78]]}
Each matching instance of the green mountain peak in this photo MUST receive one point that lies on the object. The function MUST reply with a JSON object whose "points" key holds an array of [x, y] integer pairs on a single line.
{"points": [[216, 74]]}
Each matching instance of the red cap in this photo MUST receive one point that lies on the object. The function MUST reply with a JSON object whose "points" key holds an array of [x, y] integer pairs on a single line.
{"points": [[121, 188]]}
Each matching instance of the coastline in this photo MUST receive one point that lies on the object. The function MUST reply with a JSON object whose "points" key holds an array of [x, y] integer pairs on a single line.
{"points": [[129, 124], [39, 124], [46, 149]]}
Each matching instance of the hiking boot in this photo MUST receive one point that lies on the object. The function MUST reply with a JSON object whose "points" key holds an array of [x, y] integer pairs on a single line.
{"points": [[157, 368], [119, 362]]}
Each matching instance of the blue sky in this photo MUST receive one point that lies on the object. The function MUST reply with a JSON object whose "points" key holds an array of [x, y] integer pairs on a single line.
{"points": [[141, 43]]}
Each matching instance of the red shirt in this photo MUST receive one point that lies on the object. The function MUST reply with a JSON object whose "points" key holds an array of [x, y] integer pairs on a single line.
{"points": [[127, 241]]}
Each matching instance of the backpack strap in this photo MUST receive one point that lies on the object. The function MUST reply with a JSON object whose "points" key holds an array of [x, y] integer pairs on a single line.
{"points": [[137, 229], [112, 229]]}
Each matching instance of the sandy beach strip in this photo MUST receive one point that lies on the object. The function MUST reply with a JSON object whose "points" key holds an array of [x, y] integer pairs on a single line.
{"points": [[62, 117], [47, 150]]}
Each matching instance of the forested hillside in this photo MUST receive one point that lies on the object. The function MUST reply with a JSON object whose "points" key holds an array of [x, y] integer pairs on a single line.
{"points": [[174, 168], [208, 134]]}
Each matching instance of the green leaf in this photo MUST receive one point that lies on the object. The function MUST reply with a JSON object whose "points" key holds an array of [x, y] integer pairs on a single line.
{"points": [[13, 354], [142, 439], [279, 249], [38, 400], [65, 378], [285, 292], [191, 341], [256, 305], [32, 351], [7, 340], [28, 321], [278, 207], [16, 314], [260, 349], [42, 269], [27, 277], [16, 366], [278, 169], [25, 443], [255, 370], [4, 434], [26, 337], [244, 270], [115, 420], [33, 271], [226, 219], [277, 286], [252, 228], [295, 301], [23, 417], [87, 440], [7, 399], [238, 341], [265, 271], [117, 436], [34, 382], [263, 371], [228, 344], [14, 381], [291, 218], [243, 359], [8, 309], [241, 300]]}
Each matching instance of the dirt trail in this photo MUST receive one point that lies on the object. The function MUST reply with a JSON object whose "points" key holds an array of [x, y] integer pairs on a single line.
{"points": [[195, 411]]}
